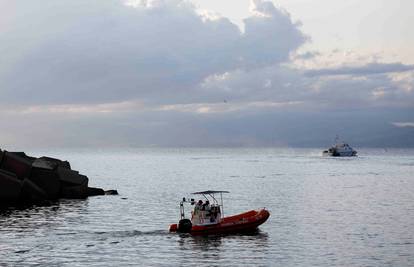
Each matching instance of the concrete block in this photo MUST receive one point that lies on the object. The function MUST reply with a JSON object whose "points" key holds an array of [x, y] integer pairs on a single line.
{"points": [[95, 191], [16, 164], [1, 156], [44, 164], [111, 192], [71, 177], [23, 155], [60, 163], [48, 180], [74, 191], [31, 193], [10, 188]]}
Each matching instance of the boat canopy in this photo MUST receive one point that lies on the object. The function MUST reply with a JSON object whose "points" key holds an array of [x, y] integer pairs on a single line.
{"points": [[209, 192]]}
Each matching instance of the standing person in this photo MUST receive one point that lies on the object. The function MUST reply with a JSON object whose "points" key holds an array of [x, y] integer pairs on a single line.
{"points": [[207, 206], [207, 209], [198, 216], [198, 206]]}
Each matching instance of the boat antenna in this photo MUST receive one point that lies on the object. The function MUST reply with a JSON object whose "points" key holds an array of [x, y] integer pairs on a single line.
{"points": [[222, 205], [182, 215]]}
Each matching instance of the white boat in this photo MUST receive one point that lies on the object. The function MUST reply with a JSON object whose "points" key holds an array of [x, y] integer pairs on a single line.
{"points": [[340, 149]]}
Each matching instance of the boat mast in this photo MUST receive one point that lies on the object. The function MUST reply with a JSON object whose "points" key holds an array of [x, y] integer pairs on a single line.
{"points": [[182, 215], [336, 139], [222, 206]]}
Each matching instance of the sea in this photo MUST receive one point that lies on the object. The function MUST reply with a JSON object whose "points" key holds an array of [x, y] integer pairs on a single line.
{"points": [[325, 211]]}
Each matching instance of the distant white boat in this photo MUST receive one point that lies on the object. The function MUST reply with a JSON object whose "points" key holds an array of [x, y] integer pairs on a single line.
{"points": [[340, 149]]}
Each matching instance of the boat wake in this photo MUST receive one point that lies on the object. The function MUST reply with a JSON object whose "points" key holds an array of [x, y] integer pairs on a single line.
{"points": [[131, 233]]}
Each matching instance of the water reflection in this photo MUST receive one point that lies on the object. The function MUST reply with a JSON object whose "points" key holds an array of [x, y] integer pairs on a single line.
{"points": [[45, 217], [218, 248], [198, 243], [210, 243]]}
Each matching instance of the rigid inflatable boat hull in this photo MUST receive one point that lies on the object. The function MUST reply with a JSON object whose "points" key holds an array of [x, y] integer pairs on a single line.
{"points": [[244, 222]]}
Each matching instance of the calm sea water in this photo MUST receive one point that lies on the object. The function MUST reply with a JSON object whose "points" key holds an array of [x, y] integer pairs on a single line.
{"points": [[324, 211]]}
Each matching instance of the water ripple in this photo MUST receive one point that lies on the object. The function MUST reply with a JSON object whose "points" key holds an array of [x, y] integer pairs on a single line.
{"points": [[324, 212]]}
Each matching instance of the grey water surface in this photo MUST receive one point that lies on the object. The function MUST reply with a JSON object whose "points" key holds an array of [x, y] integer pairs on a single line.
{"points": [[324, 211]]}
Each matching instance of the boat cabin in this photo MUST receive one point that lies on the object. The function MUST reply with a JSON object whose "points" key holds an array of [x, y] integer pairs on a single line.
{"points": [[340, 149], [207, 210]]}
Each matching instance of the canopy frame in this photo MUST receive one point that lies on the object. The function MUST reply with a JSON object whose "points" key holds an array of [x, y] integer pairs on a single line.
{"points": [[211, 193]]}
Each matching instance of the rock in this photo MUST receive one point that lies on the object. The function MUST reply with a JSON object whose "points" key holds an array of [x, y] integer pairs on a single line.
{"points": [[16, 164], [41, 163], [25, 180], [48, 180], [74, 191], [31, 193], [23, 155], [10, 188], [64, 164], [111, 192], [1, 156], [92, 191], [70, 177]]}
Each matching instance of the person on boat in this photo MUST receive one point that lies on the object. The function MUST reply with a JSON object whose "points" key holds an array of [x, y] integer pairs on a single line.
{"points": [[198, 206], [213, 213], [209, 210], [207, 207], [206, 211], [197, 215]]}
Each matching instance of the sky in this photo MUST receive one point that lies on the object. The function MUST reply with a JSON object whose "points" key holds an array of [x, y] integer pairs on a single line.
{"points": [[369, 27], [171, 73]]}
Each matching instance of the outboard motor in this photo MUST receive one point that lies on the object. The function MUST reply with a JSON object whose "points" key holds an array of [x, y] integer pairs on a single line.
{"points": [[184, 226]]}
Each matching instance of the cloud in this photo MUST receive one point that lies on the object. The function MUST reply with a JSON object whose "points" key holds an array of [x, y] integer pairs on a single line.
{"points": [[270, 35], [165, 53], [286, 84], [307, 55], [403, 124], [153, 51], [156, 72], [367, 69], [271, 126]]}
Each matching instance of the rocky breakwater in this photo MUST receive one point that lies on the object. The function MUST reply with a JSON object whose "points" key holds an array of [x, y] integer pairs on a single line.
{"points": [[26, 180]]}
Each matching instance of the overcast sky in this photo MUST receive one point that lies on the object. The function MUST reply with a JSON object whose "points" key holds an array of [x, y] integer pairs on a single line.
{"points": [[206, 73]]}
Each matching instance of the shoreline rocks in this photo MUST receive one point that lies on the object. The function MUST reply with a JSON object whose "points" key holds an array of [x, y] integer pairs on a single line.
{"points": [[26, 180]]}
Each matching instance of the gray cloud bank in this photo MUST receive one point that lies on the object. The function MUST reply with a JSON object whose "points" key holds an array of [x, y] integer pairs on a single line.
{"points": [[75, 73], [368, 69], [103, 51]]}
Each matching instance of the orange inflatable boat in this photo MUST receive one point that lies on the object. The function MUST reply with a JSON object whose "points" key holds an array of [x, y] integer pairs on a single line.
{"points": [[208, 218]]}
